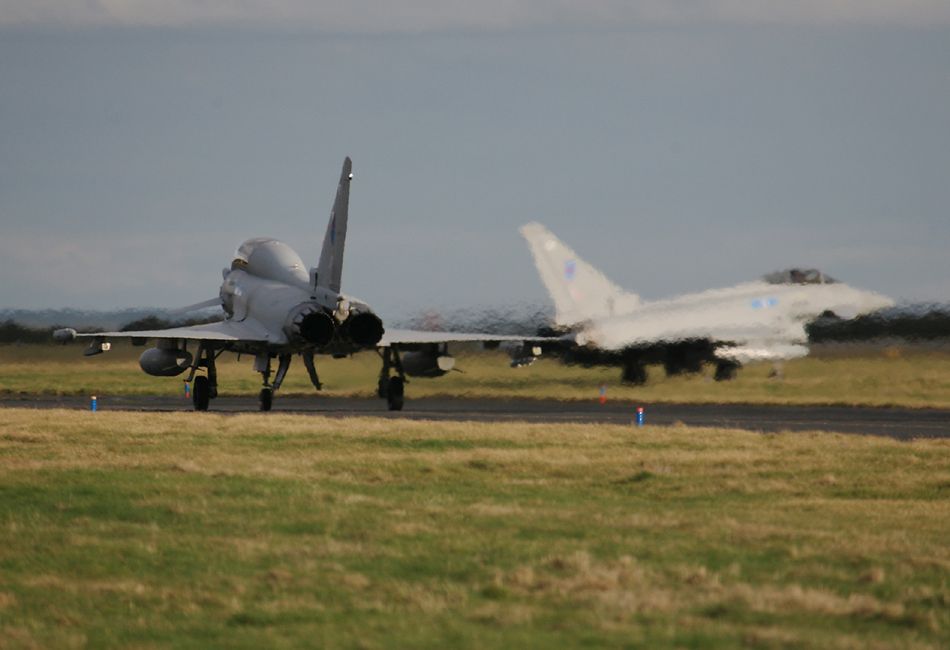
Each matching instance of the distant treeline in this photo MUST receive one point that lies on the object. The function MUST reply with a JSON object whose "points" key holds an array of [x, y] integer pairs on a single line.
{"points": [[13, 332], [517, 320], [82, 318], [908, 326]]}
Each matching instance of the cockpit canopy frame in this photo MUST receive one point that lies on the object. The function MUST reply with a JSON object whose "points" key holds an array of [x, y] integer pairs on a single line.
{"points": [[798, 276], [271, 259]]}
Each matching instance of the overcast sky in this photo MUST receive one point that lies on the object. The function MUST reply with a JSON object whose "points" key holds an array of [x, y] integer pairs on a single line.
{"points": [[677, 145]]}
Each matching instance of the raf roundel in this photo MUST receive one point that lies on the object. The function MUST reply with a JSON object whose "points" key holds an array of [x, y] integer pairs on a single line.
{"points": [[570, 269]]}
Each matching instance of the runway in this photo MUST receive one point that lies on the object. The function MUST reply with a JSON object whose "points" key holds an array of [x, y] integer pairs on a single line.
{"points": [[900, 423]]}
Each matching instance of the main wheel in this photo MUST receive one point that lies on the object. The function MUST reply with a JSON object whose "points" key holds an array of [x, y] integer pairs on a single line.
{"points": [[382, 389], [726, 370], [267, 399], [394, 394], [634, 373], [201, 393]]}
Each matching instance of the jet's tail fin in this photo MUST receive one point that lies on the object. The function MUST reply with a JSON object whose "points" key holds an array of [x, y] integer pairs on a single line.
{"points": [[330, 267], [580, 292]]}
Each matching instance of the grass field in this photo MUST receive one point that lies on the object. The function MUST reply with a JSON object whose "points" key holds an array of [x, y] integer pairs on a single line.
{"points": [[884, 376], [198, 530]]}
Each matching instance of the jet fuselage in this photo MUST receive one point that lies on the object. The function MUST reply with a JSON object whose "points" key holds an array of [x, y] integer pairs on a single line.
{"points": [[267, 287], [752, 310]]}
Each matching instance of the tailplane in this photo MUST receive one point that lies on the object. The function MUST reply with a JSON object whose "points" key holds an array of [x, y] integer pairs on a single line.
{"points": [[580, 292], [330, 267]]}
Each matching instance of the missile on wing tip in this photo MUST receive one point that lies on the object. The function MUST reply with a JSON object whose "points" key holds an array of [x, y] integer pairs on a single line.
{"points": [[64, 335]]}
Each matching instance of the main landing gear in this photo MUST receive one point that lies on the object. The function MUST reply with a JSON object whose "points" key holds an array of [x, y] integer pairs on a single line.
{"points": [[634, 370], [726, 370], [392, 389], [203, 388], [262, 364], [686, 357]]}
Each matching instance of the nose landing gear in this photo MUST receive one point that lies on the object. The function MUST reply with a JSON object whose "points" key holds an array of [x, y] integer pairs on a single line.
{"points": [[262, 365]]}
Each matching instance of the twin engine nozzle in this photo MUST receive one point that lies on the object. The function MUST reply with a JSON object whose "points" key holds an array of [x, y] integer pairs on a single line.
{"points": [[308, 322], [362, 328], [311, 323]]}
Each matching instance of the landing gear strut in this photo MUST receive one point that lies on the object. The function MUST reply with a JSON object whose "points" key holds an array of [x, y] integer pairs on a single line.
{"points": [[684, 358], [311, 370], [634, 371], [392, 389], [726, 370], [203, 388], [262, 365]]}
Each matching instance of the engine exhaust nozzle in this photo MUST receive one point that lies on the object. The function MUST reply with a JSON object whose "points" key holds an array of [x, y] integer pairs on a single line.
{"points": [[363, 328], [310, 323], [317, 328]]}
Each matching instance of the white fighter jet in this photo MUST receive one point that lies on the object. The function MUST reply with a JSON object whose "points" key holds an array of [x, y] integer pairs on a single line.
{"points": [[276, 308], [760, 320]]}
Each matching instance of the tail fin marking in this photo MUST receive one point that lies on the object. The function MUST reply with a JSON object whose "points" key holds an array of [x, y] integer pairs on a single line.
{"points": [[580, 292], [330, 267]]}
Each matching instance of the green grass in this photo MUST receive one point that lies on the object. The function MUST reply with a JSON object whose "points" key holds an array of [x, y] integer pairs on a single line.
{"points": [[204, 530], [892, 376]]}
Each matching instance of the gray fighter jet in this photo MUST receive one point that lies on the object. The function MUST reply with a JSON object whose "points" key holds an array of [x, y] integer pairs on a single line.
{"points": [[276, 308], [760, 320]]}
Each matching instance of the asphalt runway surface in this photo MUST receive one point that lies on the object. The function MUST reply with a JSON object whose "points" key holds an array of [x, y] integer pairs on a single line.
{"points": [[900, 423]]}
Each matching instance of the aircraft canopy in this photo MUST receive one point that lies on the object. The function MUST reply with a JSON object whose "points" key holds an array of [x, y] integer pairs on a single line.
{"points": [[799, 276], [271, 259]]}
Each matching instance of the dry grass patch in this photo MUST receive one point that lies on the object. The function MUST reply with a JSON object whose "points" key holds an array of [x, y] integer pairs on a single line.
{"points": [[269, 530]]}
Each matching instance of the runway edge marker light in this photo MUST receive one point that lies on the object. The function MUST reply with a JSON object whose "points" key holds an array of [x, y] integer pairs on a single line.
{"points": [[93, 404], [639, 416]]}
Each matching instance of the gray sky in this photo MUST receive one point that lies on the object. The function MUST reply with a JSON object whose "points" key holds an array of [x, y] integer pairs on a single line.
{"points": [[676, 145]]}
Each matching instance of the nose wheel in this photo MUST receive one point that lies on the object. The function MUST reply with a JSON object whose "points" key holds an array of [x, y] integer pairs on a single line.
{"points": [[266, 399], [726, 370], [262, 365]]}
